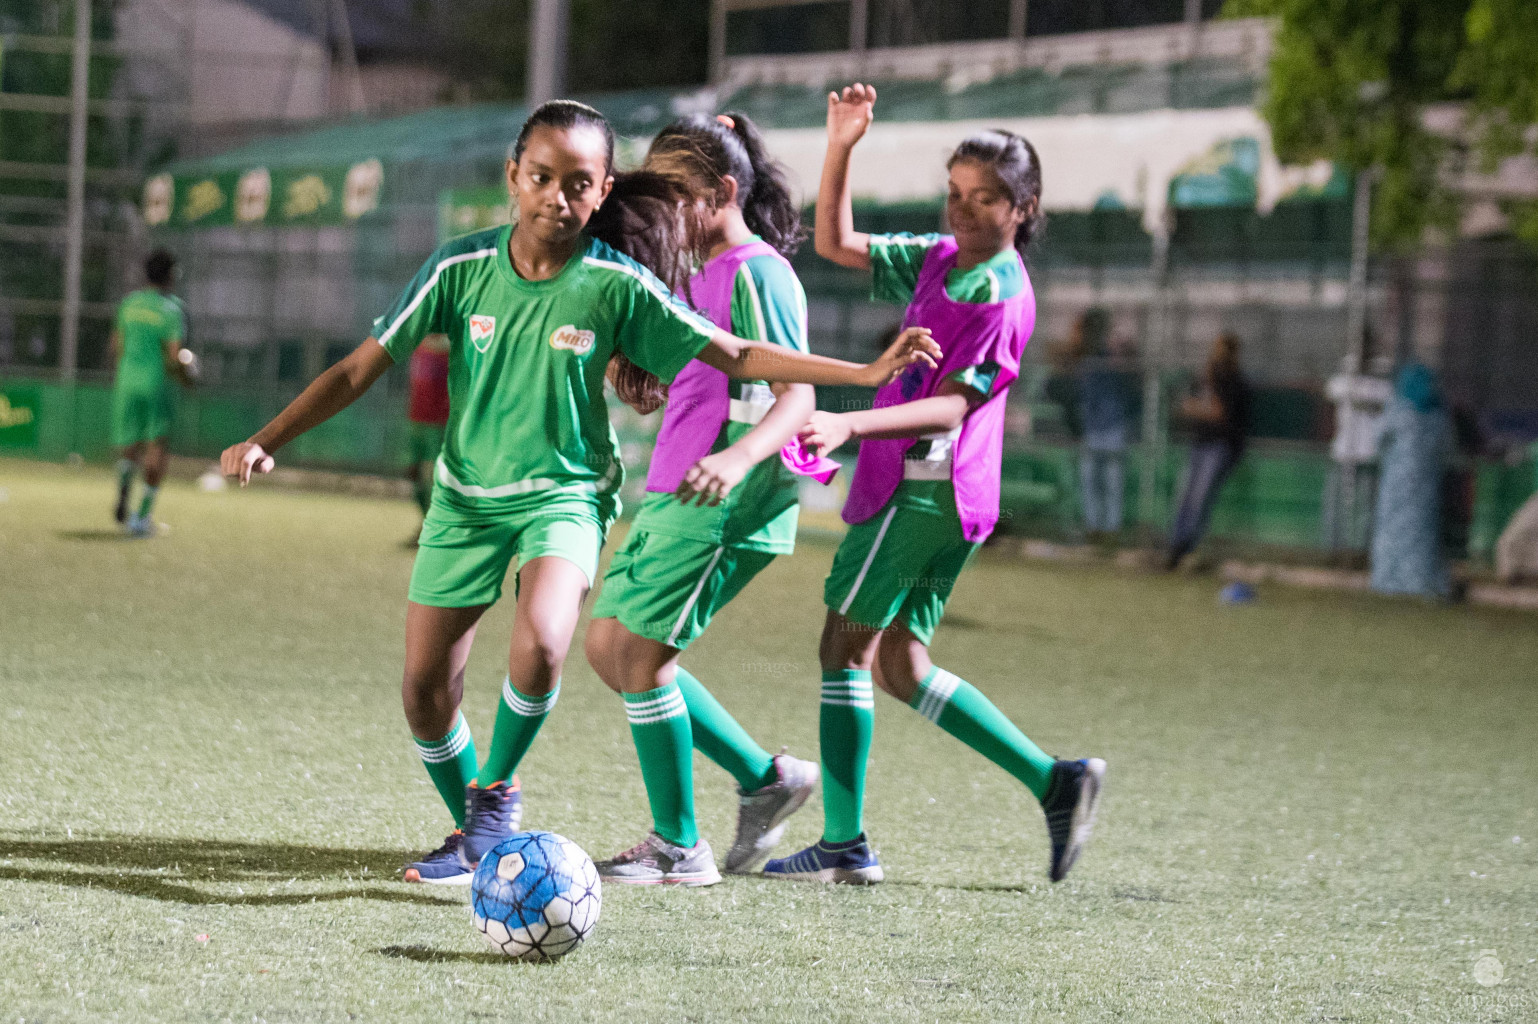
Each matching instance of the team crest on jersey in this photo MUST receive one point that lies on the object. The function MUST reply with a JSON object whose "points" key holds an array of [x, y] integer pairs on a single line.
{"points": [[571, 339], [482, 328]]}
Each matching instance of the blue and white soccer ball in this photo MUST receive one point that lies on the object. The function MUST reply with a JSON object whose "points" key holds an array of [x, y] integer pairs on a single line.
{"points": [[536, 896]]}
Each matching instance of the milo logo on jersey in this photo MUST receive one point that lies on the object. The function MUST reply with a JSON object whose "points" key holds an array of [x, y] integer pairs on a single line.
{"points": [[572, 340], [482, 330]]}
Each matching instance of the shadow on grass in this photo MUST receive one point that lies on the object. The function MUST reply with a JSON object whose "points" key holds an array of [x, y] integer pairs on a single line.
{"points": [[93, 535], [187, 862], [960, 886], [428, 955]]}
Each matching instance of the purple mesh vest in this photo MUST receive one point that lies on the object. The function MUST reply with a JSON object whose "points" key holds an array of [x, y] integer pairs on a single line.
{"points": [[969, 334], [699, 399]]}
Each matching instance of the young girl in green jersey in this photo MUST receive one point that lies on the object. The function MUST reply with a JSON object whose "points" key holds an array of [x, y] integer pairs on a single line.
{"points": [[683, 561], [529, 469]]}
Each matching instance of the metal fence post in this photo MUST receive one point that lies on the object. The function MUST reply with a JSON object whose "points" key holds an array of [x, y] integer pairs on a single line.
{"points": [[74, 226]]}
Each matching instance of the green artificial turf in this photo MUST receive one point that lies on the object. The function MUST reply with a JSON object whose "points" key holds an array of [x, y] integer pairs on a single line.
{"points": [[1320, 807]]}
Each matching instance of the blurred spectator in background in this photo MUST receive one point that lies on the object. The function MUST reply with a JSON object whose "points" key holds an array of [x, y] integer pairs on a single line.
{"points": [[428, 412], [1416, 444], [1361, 392], [1219, 415], [1516, 553], [1104, 415]]}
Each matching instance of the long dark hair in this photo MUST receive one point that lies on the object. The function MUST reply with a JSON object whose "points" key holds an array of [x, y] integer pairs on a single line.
{"points": [[648, 217], [1014, 160], [704, 150], [566, 114]]}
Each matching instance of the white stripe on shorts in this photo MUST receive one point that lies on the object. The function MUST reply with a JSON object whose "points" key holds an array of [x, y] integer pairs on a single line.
{"points": [[870, 557]]}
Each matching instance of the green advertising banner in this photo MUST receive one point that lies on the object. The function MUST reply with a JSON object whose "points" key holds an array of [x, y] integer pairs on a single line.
{"points": [[259, 197], [463, 210], [19, 405]]}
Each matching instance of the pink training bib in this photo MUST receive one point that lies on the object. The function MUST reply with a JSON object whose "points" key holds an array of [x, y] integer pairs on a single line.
{"points": [[969, 334], [699, 399]]}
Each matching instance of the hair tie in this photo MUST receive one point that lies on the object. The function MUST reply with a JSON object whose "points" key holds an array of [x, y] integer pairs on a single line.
{"points": [[727, 121]]}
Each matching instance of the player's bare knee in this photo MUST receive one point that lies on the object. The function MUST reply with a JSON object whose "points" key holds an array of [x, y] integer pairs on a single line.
{"points": [[430, 703], [599, 649], [845, 645], [895, 672]]}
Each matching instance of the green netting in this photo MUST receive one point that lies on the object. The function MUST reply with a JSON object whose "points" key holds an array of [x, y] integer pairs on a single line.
{"points": [[442, 134]]}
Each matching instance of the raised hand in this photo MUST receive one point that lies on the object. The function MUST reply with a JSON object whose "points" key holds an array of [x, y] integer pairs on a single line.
{"points": [[850, 113], [239, 461], [913, 345]]}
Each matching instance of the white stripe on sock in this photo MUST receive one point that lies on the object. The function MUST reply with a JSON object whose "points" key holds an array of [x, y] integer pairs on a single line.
{"points": [[448, 748], [528, 707], [937, 694], [668, 704]]}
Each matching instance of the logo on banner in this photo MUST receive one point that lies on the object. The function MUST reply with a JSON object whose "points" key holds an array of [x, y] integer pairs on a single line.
{"points": [[573, 340], [253, 195], [159, 192], [481, 330]]}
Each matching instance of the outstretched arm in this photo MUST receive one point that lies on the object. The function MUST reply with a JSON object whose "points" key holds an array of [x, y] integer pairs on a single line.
{"points": [[757, 360], [330, 393], [942, 412], [849, 117]]}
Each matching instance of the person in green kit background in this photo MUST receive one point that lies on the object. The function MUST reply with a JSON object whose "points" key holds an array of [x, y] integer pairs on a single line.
{"points": [[147, 347]]}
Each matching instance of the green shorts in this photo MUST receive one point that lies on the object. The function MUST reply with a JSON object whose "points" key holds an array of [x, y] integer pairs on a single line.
{"points": [[424, 441], [459, 566], [668, 589], [898, 565], [141, 415]]}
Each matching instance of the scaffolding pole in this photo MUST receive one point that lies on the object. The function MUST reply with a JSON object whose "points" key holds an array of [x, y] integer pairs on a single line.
{"points": [[549, 21], [74, 225]]}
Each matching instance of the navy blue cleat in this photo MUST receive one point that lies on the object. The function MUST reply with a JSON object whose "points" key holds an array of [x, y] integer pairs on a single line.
{"points": [[444, 866], [491, 815], [851, 863], [1073, 796]]}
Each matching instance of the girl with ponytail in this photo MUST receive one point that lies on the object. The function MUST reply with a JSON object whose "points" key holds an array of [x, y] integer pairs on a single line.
{"points": [[925, 493], [732, 441]]}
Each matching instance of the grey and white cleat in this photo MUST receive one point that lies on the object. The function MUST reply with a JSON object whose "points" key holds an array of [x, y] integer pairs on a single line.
{"points": [[655, 861], [761, 814]]}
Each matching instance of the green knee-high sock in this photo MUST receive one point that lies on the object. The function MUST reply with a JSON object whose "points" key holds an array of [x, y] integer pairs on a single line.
{"points": [[659, 722], [960, 708], [519, 717], [147, 503], [847, 719], [720, 738], [450, 763], [125, 474]]}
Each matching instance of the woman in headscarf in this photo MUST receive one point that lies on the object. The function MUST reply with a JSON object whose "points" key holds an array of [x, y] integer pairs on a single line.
{"points": [[1417, 440]]}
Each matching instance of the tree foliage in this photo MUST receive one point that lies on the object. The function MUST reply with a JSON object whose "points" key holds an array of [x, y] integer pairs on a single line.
{"points": [[1351, 81]]}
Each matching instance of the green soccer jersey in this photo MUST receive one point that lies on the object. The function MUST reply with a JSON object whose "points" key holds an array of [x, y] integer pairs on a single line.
{"points": [[528, 424], [146, 320], [896, 261], [760, 514]]}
